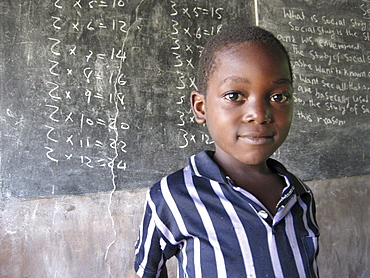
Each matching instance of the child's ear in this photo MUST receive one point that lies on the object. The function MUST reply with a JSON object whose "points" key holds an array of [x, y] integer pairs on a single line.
{"points": [[198, 102]]}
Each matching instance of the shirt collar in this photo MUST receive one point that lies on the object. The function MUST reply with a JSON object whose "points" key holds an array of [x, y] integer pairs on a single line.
{"points": [[299, 187], [203, 165]]}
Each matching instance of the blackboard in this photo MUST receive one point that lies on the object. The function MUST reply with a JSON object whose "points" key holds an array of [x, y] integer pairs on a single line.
{"points": [[94, 94]]}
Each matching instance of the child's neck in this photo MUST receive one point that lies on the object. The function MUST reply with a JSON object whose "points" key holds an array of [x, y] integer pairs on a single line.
{"points": [[259, 180]]}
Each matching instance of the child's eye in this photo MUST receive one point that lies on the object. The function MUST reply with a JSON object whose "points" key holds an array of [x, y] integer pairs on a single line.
{"points": [[233, 96], [280, 97]]}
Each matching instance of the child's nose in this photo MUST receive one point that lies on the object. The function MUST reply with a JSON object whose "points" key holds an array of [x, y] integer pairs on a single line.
{"points": [[257, 111]]}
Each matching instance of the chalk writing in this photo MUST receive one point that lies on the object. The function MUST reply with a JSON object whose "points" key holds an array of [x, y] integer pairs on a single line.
{"points": [[188, 41], [330, 61], [76, 131]]}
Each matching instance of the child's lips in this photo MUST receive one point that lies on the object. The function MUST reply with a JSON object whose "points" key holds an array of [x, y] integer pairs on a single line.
{"points": [[257, 138]]}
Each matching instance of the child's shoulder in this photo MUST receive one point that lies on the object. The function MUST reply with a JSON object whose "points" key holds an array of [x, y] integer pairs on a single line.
{"points": [[171, 183], [198, 165], [175, 183]]}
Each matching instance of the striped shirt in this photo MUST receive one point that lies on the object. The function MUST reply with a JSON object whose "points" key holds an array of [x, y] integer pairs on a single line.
{"points": [[216, 229]]}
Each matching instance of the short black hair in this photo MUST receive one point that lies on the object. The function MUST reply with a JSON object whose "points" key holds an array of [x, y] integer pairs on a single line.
{"points": [[232, 35]]}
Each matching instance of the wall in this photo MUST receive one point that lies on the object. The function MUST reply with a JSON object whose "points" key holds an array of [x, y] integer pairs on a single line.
{"points": [[94, 235]]}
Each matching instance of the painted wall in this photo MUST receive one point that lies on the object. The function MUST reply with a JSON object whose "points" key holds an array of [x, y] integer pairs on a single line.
{"points": [[94, 235]]}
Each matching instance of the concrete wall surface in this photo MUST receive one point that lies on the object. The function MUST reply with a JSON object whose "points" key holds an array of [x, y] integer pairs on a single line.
{"points": [[94, 235]]}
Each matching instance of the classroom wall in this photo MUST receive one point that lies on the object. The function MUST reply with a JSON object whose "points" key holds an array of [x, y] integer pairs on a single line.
{"points": [[93, 235]]}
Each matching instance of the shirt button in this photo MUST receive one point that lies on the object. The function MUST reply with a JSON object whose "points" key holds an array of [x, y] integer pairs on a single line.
{"points": [[263, 214]]}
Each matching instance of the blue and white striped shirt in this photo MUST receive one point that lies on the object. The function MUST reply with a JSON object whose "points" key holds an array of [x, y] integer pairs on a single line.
{"points": [[218, 230]]}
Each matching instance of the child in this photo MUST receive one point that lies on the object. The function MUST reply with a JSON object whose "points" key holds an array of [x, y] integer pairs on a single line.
{"points": [[235, 212]]}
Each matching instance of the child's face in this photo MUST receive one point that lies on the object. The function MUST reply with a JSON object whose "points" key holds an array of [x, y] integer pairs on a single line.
{"points": [[248, 106]]}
